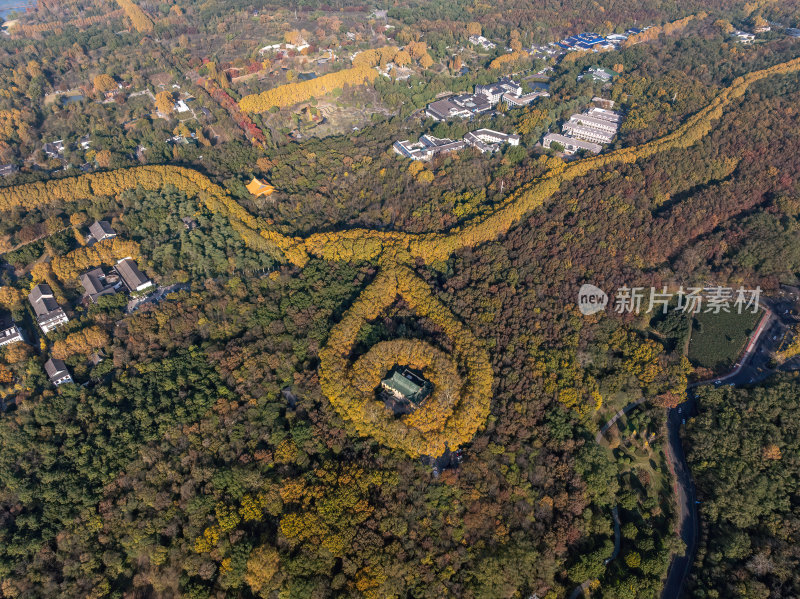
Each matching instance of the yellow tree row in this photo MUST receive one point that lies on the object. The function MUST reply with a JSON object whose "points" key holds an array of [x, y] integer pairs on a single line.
{"points": [[667, 29], [56, 26], [292, 93], [141, 22], [194, 184], [364, 244], [450, 419], [107, 252]]}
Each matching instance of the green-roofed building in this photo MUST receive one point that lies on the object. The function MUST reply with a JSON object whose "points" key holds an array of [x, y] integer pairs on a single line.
{"points": [[407, 386]]}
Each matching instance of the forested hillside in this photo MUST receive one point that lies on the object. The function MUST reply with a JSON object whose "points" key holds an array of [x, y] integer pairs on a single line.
{"points": [[226, 431], [744, 449]]}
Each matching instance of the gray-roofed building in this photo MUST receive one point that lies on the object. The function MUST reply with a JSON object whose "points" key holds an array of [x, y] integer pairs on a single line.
{"points": [[441, 110], [475, 103], [602, 124], [49, 314], [570, 144], [604, 114], [57, 372], [599, 74], [495, 91], [54, 149], [516, 101], [101, 230], [485, 140], [9, 331], [598, 127], [427, 147], [133, 278], [488, 140], [8, 169], [95, 284]]}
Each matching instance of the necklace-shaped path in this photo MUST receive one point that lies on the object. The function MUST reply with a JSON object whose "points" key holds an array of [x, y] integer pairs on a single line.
{"points": [[460, 402]]}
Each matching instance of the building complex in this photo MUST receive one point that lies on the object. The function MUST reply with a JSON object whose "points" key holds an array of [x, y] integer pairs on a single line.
{"points": [[586, 131], [428, 146], [483, 100]]}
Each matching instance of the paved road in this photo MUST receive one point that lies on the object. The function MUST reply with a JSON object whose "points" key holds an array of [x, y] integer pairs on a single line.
{"points": [[617, 536], [688, 526]]}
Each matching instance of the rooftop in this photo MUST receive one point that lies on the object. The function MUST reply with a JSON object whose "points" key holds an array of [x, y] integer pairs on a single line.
{"points": [[55, 368], [42, 300], [6, 322], [260, 188], [101, 230], [407, 385], [134, 279]]}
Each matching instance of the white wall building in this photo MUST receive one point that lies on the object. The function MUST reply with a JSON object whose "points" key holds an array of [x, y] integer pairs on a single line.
{"points": [[49, 314], [9, 331], [570, 144]]}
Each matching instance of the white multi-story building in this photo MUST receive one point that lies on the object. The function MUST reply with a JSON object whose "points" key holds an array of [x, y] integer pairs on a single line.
{"points": [[427, 147], [441, 110], [488, 140], [596, 125], [494, 91], [586, 120], [49, 314], [516, 101], [9, 331], [57, 372], [481, 41], [604, 114], [570, 144], [579, 131]]}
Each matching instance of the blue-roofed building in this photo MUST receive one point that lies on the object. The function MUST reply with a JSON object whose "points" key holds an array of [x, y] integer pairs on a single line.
{"points": [[582, 41]]}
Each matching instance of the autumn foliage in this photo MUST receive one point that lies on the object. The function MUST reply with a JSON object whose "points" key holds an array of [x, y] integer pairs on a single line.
{"points": [[652, 33], [108, 251], [375, 56], [454, 412], [104, 83], [448, 418], [506, 61], [292, 93], [141, 22], [84, 342]]}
